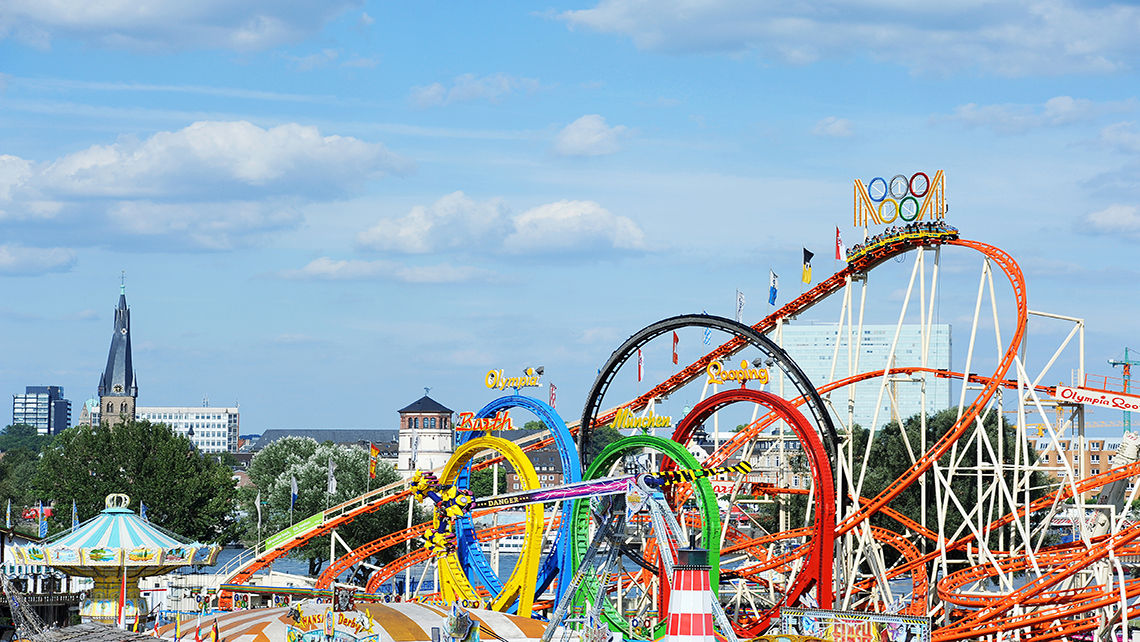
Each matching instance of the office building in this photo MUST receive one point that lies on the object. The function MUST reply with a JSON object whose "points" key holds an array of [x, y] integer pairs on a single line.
{"points": [[812, 346], [210, 429], [42, 407]]}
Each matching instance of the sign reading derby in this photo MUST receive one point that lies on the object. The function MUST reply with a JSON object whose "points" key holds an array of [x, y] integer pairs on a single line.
{"points": [[1099, 398]]}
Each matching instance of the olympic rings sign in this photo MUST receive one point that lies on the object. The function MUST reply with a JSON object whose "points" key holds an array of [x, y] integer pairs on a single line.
{"points": [[898, 197]]}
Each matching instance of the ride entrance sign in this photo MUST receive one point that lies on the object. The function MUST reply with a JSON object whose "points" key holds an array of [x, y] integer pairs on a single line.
{"points": [[277, 539], [1099, 398], [854, 626]]}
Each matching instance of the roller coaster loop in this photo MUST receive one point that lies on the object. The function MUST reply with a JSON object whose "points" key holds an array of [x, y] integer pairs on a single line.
{"points": [[741, 333], [709, 511], [817, 570], [520, 585]]}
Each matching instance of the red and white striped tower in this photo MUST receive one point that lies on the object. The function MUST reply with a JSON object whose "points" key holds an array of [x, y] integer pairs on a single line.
{"points": [[690, 598]]}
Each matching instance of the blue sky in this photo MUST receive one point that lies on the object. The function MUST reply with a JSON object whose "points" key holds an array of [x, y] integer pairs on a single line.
{"points": [[322, 207]]}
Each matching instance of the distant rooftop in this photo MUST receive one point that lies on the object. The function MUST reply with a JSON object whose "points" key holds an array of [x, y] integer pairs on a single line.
{"points": [[425, 404], [344, 436]]}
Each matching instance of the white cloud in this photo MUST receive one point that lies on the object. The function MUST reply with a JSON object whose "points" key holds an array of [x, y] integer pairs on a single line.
{"points": [[317, 60], [1016, 38], [208, 226], [469, 88], [833, 127], [572, 226], [327, 269], [357, 62], [589, 136], [16, 260], [457, 222], [221, 157], [212, 185], [1122, 136], [1055, 112], [454, 221], [1115, 219], [163, 25]]}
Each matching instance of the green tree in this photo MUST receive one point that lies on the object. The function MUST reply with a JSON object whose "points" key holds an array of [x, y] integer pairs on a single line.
{"points": [[600, 437], [22, 436], [302, 458], [17, 470], [889, 459], [185, 491], [481, 481]]}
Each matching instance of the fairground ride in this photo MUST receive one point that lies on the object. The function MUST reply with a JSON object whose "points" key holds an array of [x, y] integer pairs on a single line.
{"points": [[984, 568]]}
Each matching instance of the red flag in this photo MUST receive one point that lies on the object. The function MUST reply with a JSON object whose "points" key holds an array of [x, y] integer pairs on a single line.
{"points": [[215, 631], [675, 340], [198, 630], [840, 250], [553, 396], [640, 365]]}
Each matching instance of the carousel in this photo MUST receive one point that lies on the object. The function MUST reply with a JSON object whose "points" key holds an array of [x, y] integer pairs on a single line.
{"points": [[116, 548]]}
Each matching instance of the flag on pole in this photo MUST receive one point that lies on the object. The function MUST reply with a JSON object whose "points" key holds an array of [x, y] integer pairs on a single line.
{"points": [[773, 284], [640, 365], [142, 511], [43, 524], [214, 632], [293, 491], [257, 504], [415, 449], [373, 457], [198, 629], [154, 633], [708, 332], [739, 306], [177, 627], [332, 480], [675, 342], [74, 516], [840, 248], [8, 516], [553, 395], [807, 266]]}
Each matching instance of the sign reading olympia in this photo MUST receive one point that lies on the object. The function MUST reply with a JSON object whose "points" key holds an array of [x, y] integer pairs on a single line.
{"points": [[496, 379], [1099, 398]]}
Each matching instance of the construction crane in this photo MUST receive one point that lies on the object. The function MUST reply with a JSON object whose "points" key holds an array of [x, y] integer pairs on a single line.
{"points": [[1127, 364]]}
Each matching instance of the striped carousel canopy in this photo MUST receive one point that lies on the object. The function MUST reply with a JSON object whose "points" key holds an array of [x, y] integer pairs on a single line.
{"points": [[117, 538]]}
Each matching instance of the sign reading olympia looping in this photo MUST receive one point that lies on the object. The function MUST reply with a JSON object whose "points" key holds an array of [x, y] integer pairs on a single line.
{"points": [[883, 201], [496, 379], [718, 374]]}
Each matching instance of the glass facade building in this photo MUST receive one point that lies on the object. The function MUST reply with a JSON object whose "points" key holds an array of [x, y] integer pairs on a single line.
{"points": [[813, 348], [42, 407]]}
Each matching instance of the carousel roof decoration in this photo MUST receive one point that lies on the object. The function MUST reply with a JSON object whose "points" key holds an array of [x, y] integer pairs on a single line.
{"points": [[116, 541]]}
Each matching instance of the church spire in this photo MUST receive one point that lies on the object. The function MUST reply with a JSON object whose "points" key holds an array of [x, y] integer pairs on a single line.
{"points": [[117, 386]]}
